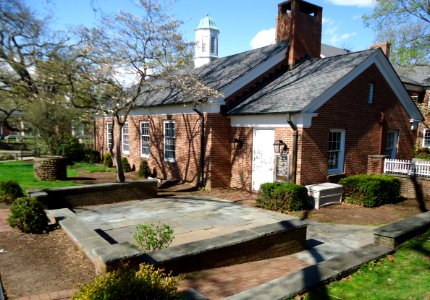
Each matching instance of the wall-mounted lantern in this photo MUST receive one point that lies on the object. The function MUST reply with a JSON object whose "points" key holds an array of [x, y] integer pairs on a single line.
{"points": [[237, 143], [280, 147]]}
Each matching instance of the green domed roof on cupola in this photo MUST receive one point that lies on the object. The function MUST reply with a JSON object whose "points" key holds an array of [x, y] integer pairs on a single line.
{"points": [[207, 23]]}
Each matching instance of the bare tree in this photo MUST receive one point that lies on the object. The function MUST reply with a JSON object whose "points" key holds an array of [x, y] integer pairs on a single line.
{"points": [[127, 60]]}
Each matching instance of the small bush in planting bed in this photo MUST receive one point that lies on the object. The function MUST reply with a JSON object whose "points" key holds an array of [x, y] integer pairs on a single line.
{"points": [[125, 164], [371, 190], [145, 283], [151, 237], [27, 215], [9, 191], [107, 160], [282, 196], [144, 171]]}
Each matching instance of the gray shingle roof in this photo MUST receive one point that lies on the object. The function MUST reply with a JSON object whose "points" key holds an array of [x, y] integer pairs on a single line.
{"points": [[417, 75], [219, 73], [327, 51], [294, 90]]}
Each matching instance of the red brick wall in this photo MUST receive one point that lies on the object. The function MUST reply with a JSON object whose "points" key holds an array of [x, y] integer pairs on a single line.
{"points": [[365, 135], [218, 147], [241, 159]]}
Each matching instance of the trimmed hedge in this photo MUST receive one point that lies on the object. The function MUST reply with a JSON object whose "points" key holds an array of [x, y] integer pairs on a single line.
{"points": [[282, 196], [371, 190]]}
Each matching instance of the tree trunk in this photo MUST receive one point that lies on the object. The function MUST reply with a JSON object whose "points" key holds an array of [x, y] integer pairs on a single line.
{"points": [[119, 167]]}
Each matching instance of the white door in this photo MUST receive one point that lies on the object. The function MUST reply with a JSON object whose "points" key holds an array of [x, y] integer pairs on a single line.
{"points": [[263, 157]]}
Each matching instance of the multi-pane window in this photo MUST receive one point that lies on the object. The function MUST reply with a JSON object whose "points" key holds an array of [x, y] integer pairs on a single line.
{"points": [[391, 148], [144, 138], [125, 139], [336, 150], [169, 140], [109, 134], [426, 138]]}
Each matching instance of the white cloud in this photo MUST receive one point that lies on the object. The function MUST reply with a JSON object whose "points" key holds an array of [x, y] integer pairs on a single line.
{"points": [[359, 3], [335, 39], [333, 36], [263, 38]]}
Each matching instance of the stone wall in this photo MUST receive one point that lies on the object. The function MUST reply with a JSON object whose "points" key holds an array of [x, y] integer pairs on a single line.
{"points": [[96, 194], [414, 187], [50, 168]]}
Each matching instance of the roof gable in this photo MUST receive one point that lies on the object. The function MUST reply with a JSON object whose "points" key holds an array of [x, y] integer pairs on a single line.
{"points": [[311, 84]]}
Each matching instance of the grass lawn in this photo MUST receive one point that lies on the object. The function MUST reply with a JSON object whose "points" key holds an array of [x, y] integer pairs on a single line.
{"points": [[92, 167], [404, 275], [22, 172]]}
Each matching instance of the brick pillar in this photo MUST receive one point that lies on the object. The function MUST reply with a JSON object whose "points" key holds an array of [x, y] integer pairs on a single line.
{"points": [[375, 164]]}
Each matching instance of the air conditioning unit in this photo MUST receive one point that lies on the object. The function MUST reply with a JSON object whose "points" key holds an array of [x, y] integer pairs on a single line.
{"points": [[323, 194]]}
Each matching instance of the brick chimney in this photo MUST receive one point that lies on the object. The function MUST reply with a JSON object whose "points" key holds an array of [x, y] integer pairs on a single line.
{"points": [[300, 23], [385, 47]]}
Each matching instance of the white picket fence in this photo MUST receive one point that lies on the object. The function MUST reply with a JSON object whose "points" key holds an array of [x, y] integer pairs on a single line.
{"points": [[407, 167]]}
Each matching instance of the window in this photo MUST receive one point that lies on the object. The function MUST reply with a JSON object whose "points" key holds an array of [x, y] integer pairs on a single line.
{"points": [[109, 134], [125, 139], [144, 138], [391, 146], [426, 138], [370, 97], [336, 151], [213, 40], [169, 140]]}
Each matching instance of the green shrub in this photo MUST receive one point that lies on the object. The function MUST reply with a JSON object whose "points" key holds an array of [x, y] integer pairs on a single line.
{"points": [[423, 153], [126, 166], [27, 215], [92, 156], [371, 190], [107, 160], [144, 171], [151, 237], [9, 191], [145, 283], [73, 150], [282, 196]]}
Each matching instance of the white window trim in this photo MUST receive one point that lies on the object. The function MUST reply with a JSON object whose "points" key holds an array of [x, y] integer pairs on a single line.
{"points": [[164, 140], [424, 140], [122, 139], [141, 138], [108, 124], [341, 159]]}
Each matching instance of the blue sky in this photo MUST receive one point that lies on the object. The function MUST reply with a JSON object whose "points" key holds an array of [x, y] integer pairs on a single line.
{"points": [[243, 24]]}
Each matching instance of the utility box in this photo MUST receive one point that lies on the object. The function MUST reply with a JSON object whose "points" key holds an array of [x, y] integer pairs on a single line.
{"points": [[323, 194]]}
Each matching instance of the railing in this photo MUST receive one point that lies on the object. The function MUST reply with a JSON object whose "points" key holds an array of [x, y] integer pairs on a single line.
{"points": [[407, 167]]}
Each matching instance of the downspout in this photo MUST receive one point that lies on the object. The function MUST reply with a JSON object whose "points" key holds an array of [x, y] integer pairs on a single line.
{"points": [[295, 147], [201, 175]]}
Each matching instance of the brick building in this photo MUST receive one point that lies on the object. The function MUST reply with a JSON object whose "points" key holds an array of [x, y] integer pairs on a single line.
{"points": [[287, 114], [417, 82]]}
